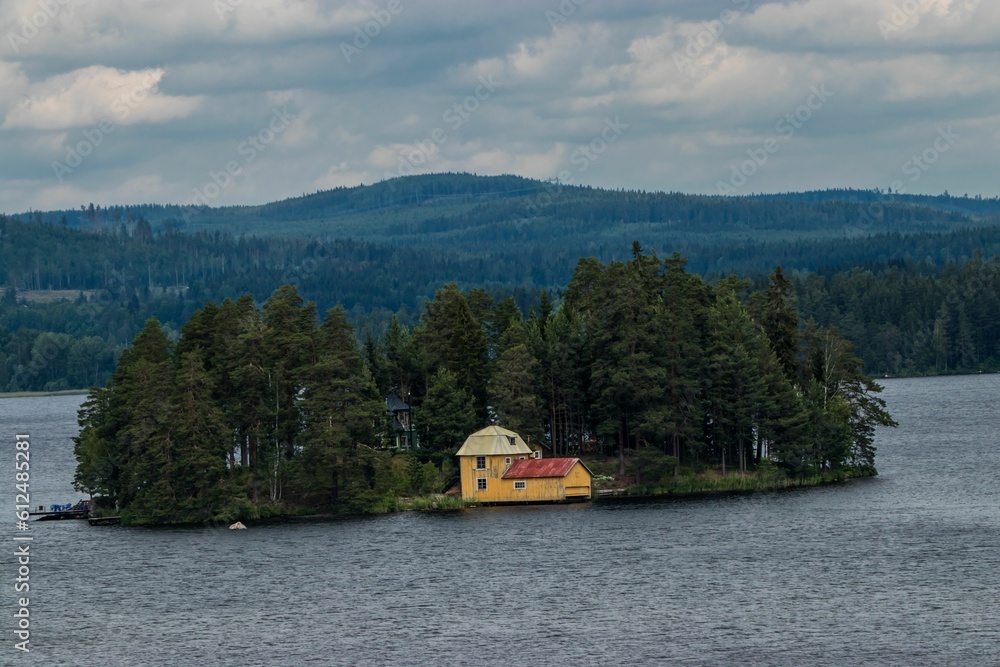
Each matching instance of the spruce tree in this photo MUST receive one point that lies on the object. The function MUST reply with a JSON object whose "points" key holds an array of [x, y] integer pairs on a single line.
{"points": [[446, 417], [117, 421], [199, 441], [451, 337], [780, 321], [340, 407], [289, 327], [514, 387]]}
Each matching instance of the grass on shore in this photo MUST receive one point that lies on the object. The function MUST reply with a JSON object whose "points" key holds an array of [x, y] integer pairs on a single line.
{"points": [[715, 483], [432, 502]]}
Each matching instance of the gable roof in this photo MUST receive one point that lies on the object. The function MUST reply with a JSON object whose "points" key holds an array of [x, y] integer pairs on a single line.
{"points": [[491, 441], [541, 468]]}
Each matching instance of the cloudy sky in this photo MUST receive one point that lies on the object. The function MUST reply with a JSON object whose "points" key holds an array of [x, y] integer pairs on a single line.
{"points": [[246, 101]]}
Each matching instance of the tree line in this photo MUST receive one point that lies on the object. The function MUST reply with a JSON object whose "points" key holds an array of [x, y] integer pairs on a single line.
{"points": [[252, 412], [257, 411], [72, 300], [639, 356]]}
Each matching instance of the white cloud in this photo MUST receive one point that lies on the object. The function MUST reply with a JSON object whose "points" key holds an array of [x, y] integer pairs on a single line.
{"points": [[83, 97], [211, 81]]}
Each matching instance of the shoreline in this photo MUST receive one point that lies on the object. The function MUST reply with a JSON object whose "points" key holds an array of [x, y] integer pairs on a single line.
{"points": [[624, 495], [440, 503], [36, 394], [735, 484]]}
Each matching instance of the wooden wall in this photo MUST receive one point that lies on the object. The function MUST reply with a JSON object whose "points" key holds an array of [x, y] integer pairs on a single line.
{"points": [[576, 483]]}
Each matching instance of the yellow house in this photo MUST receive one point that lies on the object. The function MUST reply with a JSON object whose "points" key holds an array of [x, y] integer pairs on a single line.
{"points": [[498, 467]]}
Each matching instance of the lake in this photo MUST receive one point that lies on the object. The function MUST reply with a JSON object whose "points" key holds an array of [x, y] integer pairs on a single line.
{"points": [[900, 569]]}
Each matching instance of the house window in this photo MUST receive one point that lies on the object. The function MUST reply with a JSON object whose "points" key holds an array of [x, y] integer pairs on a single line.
{"points": [[537, 453], [481, 484], [507, 460], [480, 463], [519, 484], [520, 458]]}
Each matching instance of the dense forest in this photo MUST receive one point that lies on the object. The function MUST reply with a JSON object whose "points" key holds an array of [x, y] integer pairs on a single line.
{"points": [[910, 280], [464, 208], [265, 411]]}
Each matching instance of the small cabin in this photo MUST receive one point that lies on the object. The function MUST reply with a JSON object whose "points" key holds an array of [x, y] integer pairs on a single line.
{"points": [[399, 415], [497, 466]]}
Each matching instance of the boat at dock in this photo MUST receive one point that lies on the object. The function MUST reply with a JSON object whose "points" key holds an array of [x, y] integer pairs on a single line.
{"points": [[61, 512]]}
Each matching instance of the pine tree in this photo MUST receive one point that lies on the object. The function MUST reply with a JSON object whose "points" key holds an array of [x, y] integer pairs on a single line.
{"points": [[780, 321], [98, 469], [682, 325], [451, 337], [242, 375], [289, 327], [199, 441], [402, 360], [565, 362], [785, 429], [378, 364], [631, 375], [505, 315], [446, 417], [126, 419], [514, 389], [734, 390], [340, 407], [147, 453]]}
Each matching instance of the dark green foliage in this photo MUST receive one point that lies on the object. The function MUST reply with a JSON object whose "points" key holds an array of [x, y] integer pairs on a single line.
{"points": [[652, 466], [446, 416], [452, 337], [188, 433], [913, 319], [402, 360], [682, 373], [198, 441], [153, 443], [340, 408], [920, 303], [643, 359], [735, 391], [289, 326], [778, 317], [631, 376], [514, 389]]}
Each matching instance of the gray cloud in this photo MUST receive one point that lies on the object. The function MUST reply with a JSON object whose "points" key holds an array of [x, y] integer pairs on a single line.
{"points": [[697, 87]]}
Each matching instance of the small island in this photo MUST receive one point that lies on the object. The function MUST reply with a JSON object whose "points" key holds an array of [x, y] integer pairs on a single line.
{"points": [[657, 381]]}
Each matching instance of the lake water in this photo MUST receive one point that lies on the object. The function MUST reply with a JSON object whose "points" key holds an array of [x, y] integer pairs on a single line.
{"points": [[903, 569]]}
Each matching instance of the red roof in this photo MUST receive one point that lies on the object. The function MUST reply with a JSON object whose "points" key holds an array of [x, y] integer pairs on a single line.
{"points": [[523, 468]]}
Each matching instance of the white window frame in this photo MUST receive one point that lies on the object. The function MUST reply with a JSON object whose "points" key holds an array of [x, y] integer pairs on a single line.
{"points": [[522, 483], [507, 460], [481, 459], [481, 484]]}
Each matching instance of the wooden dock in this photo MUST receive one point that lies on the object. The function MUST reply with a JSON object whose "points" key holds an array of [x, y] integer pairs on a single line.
{"points": [[59, 516], [104, 520]]}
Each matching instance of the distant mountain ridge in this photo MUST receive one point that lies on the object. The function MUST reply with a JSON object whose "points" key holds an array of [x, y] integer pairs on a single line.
{"points": [[428, 203]]}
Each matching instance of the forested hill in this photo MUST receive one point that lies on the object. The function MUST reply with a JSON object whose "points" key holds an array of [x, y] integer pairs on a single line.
{"points": [[535, 231], [77, 285], [965, 205], [464, 209]]}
